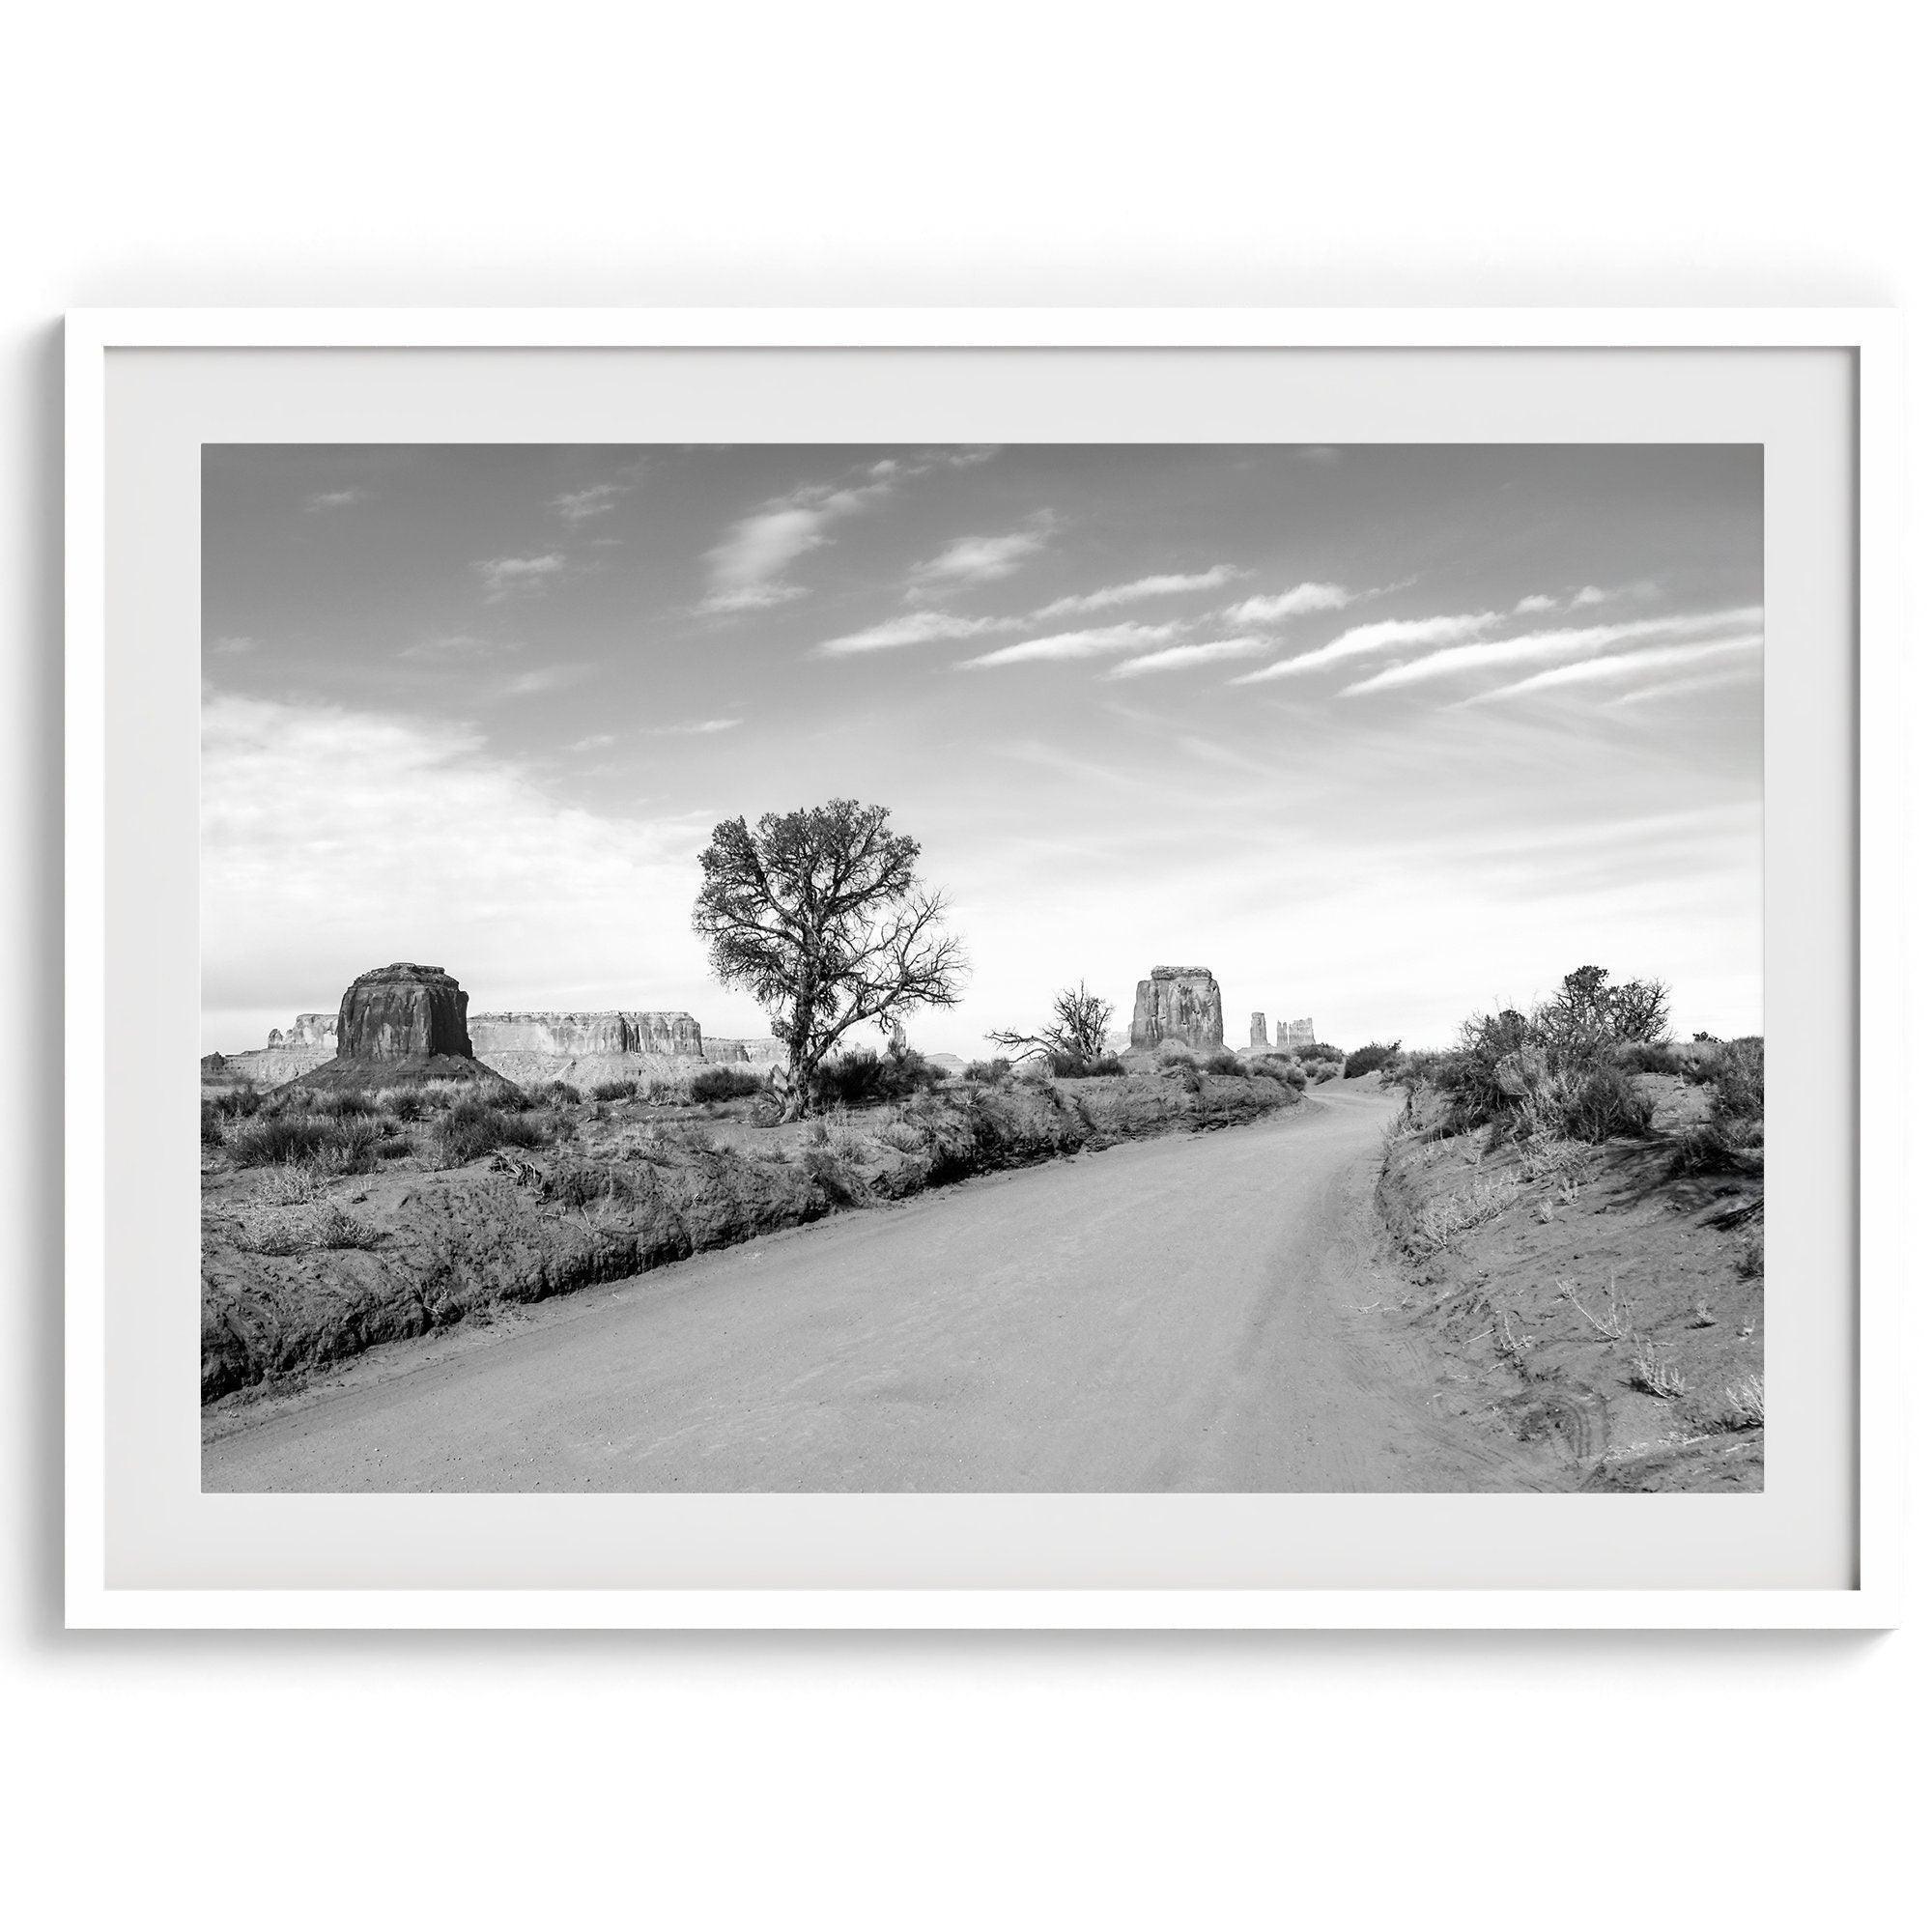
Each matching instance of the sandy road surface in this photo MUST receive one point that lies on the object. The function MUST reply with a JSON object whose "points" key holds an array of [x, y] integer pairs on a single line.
{"points": [[1180, 1314]]}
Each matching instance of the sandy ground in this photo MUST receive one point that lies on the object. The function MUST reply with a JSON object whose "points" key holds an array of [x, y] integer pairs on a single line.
{"points": [[1187, 1314]]}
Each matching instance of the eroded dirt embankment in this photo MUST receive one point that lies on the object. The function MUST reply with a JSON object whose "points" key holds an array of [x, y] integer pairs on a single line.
{"points": [[621, 1196], [1587, 1293]]}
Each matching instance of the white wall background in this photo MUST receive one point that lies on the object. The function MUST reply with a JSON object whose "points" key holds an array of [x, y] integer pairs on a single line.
{"points": [[586, 153]]}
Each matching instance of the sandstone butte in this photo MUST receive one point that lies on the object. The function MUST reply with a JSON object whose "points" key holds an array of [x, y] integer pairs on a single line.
{"points": [[1180, 1003], [398, 1026]]}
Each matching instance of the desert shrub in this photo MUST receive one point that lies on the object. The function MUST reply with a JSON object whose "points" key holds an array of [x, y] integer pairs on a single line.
{"points": [[902, 1138], [1647, 1056], [1370, 1058], [290, 1185], [1283, 1067], [1602, 1104], [989, 1070], [211, 1127], [725, 1083], [557, 1094], [1171, 1053], [1185, 1072], [862, 1077], [472, 1128], [346, 1147], [1738, 1081], [302, 1230], [404, 1103], [393, 1147], [336, 1106], [1223, 1059], [236, 1103], [1320, 1049], [1080, 1066], [615, 1089]]}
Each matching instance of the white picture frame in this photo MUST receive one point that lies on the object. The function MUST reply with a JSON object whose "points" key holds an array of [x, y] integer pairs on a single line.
{"points": [[94, 1599]]}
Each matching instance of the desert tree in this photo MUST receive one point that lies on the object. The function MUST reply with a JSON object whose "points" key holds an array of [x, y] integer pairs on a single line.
{"points": [[1078, 1026], [820, 917], [1588, 1013]]}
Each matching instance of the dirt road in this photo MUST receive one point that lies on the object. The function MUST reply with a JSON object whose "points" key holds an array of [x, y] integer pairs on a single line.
{"points": [[1194, 1313]]}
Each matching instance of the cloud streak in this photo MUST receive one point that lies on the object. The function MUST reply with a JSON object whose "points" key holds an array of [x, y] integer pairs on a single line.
{"points": [[1624, 664], [1537, 645], [579, 506], [1297, 601], [981, 559], [919, 627], [333, 500], [1391, 633], [1184, 657], [1111, 596], [511, 576], [1059, 646]]}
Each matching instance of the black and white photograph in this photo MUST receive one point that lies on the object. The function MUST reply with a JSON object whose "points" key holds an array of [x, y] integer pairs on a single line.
{"points": [[982, 968]]}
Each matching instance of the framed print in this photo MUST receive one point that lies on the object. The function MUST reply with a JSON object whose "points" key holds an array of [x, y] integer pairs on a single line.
{"points": [[1010, 969]]}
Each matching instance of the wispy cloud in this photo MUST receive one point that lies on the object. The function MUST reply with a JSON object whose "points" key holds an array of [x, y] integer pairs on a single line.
{"points": [[547, 678], [1682, 687], [597, 741], [980, 559], [1111, 596], [1624, 664], [747, 566], [1533, 604], [579, 506], [702, 728], [1061, 645], [919, 627], [333, 500], [232, 647], [1537, 645], [1391, 633], [1183, 657], [1295, 602], [459, 649], [508, 576]]}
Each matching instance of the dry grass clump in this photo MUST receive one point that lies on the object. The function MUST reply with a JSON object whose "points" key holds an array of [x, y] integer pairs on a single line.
{"points": [[1370, 1058], [335, 1145], [1745, 1404], [1282, 1066], [473, 1128], [1442, 1220], [302, 1230], [988, 1071], [1649, 1369], [725, 1083]]}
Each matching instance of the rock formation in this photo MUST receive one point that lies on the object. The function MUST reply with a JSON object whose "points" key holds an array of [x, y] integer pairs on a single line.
{"points": [[1258, 1029], [1177, 1002], [400, 1025], [1300, 1033], [576, 1036]]}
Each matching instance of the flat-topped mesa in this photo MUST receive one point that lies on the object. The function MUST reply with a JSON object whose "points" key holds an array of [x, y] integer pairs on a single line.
{"points": [[400, 1025], [574, 1035], [309, 1030], [1258, 1029], [1177, 1002]]}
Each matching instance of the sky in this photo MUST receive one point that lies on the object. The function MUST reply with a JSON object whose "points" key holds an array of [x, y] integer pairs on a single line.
{"points": [[1382, 735]]}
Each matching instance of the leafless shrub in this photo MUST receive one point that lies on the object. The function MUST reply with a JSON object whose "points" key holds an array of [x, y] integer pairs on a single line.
{"points": [[1648, 1369], [1745, 1403], [1441, 1221], [1614, 1324]]}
